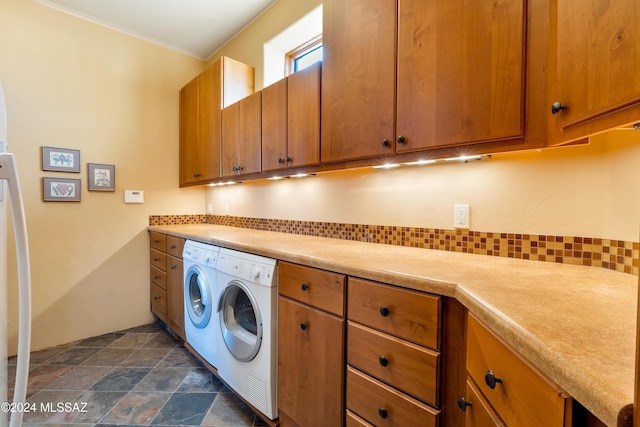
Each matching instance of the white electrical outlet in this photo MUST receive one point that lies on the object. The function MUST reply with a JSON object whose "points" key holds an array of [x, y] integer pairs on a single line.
{"points": [[209, 208], [461, 216]]}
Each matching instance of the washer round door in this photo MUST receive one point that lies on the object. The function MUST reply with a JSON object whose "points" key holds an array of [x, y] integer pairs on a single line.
{"points": [[240, 321], [197, 297]]}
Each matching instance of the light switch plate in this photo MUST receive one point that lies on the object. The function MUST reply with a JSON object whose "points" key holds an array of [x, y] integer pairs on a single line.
{"points": [[133, 196]]}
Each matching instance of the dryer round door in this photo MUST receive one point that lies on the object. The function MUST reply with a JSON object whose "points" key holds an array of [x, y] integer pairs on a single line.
{"points": [[240, 321], [197, 296]]}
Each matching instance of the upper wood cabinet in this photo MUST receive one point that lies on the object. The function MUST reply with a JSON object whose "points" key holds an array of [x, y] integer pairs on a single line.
{"points": [[358, 78], [596, 53], [460, 75], [201, 101], [291, 121], [241, 136], [460, 72]]}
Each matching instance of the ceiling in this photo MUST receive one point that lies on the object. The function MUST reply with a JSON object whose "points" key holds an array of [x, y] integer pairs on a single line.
{"points": [[194, 27]]}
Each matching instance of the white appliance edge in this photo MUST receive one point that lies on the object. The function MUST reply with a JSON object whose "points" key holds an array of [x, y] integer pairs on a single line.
{"points": [[9, 180]]}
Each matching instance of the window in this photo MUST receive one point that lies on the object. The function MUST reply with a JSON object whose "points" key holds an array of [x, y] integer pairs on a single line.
{"points": [[304, 55]]}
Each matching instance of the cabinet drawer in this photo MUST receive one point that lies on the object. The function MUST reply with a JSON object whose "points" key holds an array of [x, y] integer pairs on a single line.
{"points": [[523, 397], [158, 241], [158, 277], [401, 364], [410, 315], [175, 245], [382, 405], [317, 288], [159, 302], [158, 259], [355, 421], [479, 413]]}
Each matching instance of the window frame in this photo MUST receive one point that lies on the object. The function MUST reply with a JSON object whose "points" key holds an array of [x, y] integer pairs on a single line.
{"points": [[292, 56]]}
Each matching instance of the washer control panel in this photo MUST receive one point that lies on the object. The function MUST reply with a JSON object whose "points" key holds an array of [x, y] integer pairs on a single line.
{"points": [[201, 253]]}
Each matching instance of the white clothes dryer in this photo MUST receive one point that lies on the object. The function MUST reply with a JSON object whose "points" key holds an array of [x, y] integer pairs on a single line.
{"points": [[200, 321], [247, 313]]}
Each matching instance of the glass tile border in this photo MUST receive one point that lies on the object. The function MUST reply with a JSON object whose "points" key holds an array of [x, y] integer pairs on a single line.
{"points": [[618, 255]]}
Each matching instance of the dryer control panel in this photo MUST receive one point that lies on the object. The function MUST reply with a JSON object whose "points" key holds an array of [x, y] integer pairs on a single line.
{"points": [[247, 267]]}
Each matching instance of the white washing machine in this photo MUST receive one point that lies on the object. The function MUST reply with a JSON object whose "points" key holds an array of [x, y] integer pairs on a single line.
{"points": [[247, 313], [200, 317]]}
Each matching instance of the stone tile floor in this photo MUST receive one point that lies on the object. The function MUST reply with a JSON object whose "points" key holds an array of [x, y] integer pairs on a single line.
{"points": [[139, 376]]}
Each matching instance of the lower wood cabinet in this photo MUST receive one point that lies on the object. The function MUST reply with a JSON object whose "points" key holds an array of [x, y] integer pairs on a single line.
{"points": [[166, 280], [503, 389], [310, 347], [393, 357]]}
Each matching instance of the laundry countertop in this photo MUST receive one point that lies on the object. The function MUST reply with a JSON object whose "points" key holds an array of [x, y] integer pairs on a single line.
{"points": [[575, 324]]}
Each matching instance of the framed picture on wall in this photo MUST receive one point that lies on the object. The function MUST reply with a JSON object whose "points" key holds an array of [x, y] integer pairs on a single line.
{"points": [[61, 190], [60, 159], [102, 177]]}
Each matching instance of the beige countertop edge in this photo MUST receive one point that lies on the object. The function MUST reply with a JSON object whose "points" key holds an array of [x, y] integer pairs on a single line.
{"points": [[587, 389]]}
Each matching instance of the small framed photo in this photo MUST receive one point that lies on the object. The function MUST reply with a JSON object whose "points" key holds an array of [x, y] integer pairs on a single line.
{"points": [[102, 177], [61, 190], [60, 159]]}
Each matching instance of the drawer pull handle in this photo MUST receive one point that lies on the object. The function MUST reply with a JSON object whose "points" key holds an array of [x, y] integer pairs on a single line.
{"points": [[304, 287], [463, 403], [156, 241], [156, 277], [384, 311], [383, 413], [156, 259], [383, 361], [156, 298], [491, 380], [173, 267], [304, 326], [172, 246]]}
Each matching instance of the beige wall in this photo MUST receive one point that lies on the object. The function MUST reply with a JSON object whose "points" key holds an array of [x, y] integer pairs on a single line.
{"points": [[589, 191], [74, 84]]}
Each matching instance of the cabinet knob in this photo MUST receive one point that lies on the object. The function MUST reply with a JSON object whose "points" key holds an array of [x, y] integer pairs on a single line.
{"points": [[156, 298], [235, 169], [304, 287], [401, 139], [463, 403], [196, 175], [156, 259], [556, 107], [385, 142], [491, 380], [288, 159], [156, 278], [173, 267], [280, 160], [384, 361], [156, 241], [383, 413], [172, 246], [239, 168], [304, 326], [384, 311]]}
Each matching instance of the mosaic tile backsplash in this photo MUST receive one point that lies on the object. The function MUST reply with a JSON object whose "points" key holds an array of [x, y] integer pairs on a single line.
{"points": [[616, 255]]}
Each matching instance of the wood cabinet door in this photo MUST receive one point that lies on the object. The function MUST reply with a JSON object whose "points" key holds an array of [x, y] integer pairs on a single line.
{"points": [[188, 133], [460, 72], [274, 126], [598, 58], [175, 295], [230, 136], [210, 94], [250, 134], [310, 365], [303, 123], [358, 79]]}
